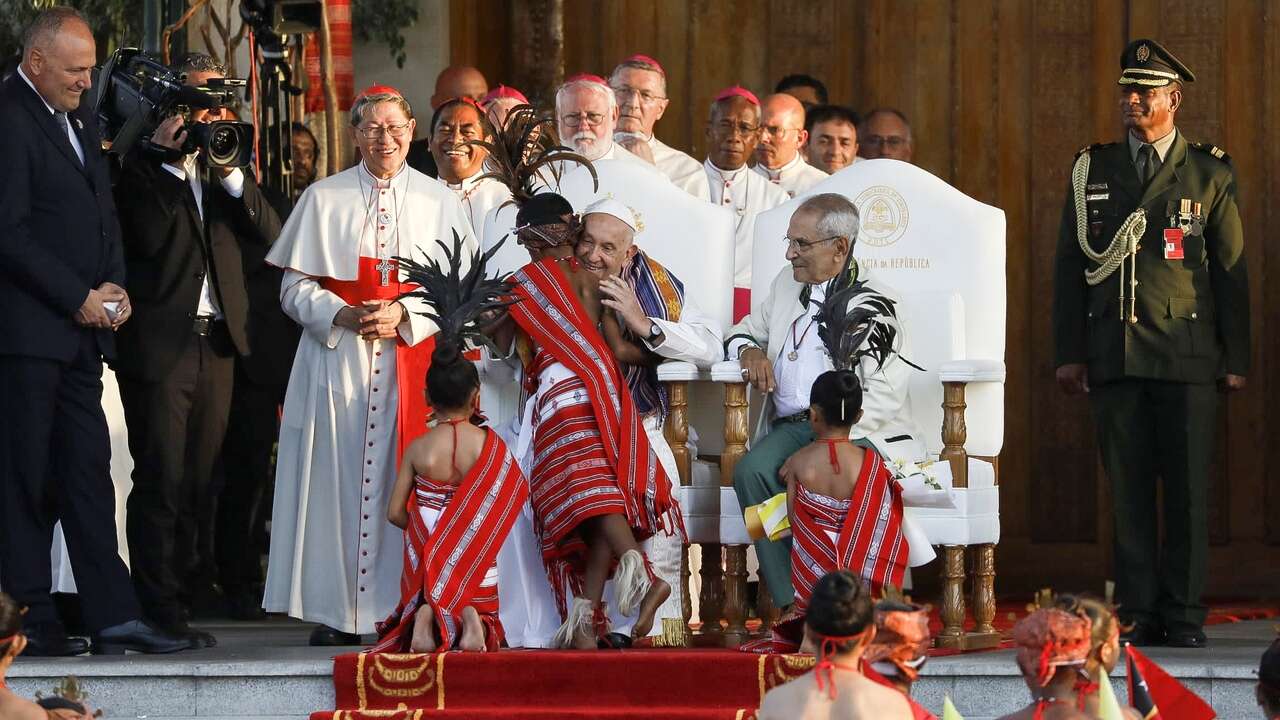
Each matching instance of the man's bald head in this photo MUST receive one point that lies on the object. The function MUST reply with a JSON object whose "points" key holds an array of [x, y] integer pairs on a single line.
{"points": [[782, 130], [458, 81], [58, 56]]}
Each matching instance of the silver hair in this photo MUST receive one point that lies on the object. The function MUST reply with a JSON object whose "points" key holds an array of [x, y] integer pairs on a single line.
{"points": [[47, 25], [639, 65], [364, 102], [605, 92], [837, 215], [198, 62]]}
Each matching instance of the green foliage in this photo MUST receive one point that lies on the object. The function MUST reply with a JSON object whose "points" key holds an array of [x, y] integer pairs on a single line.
{"points": [[384, 21], [115, 23]]}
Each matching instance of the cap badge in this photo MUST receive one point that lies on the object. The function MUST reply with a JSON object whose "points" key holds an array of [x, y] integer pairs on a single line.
{"points": [[1143, 53]]}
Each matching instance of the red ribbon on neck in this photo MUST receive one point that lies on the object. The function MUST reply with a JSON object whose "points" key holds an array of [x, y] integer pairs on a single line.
{"points": [[828, 666]]}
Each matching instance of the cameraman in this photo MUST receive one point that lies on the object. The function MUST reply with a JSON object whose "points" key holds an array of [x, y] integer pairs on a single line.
{"points": [[183, 226]]}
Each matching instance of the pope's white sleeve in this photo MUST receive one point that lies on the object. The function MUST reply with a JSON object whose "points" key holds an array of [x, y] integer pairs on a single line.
{"points": [[311, 306], [696, 338]]}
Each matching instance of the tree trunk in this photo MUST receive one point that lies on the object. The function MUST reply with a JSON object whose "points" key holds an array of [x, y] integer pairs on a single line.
{"points": [[539, 48], [332, 130]]}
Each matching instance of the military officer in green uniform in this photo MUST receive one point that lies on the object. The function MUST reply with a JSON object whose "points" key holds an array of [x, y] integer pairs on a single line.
{"points": [[1151, 319]]}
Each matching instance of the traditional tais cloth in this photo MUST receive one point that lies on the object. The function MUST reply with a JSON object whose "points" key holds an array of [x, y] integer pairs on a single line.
{"points": [[794, 177], [571, 350], [661, 295], [747, 195], [451, 549], [334, 558], [862, 534]]}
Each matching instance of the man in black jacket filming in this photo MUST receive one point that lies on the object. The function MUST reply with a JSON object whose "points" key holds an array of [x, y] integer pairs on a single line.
{"points": [[184, 227]]}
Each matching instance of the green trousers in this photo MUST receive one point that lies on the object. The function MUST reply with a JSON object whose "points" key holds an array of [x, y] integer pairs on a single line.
{"points": [[1148, 431], [755, 479]]}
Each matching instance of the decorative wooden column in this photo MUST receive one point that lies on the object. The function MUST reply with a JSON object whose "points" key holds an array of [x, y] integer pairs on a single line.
{"points": [[538, 51], [676, 431], [984, 591], [765, 609], [735, 556], [955, 433]]}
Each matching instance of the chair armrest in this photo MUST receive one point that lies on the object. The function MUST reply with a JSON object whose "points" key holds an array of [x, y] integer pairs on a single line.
{"points": [[680, 371], [972, 371], [728, 371]]}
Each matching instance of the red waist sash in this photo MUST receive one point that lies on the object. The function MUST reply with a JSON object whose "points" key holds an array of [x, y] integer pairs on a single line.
{"points": [[412, 362]]}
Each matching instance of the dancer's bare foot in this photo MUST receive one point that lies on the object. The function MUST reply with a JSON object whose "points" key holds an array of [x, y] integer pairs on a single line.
{"points": [[658, 593], [424, 631], [472, 631]]}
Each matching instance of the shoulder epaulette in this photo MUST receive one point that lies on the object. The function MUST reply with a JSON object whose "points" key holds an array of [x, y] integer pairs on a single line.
{"points": [[1091, 148], [1213, 150]]}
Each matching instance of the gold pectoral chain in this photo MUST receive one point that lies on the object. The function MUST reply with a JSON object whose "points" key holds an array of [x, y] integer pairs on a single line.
{"points": [[1124, 246]]}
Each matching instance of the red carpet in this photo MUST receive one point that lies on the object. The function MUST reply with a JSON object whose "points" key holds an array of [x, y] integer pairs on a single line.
{"points": [[539, 684]]}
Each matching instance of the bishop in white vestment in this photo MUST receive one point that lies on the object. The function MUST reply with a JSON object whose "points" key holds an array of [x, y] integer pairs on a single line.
{"points": [[462, 165], [732, 135], [355, 394]]}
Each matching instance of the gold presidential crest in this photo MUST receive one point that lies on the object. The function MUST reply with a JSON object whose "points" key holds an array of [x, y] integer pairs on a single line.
{"points": [[1143, 53], [884, 216]]}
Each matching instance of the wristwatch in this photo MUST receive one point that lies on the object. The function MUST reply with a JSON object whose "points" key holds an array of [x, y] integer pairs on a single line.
{"points": [[654, 331]]}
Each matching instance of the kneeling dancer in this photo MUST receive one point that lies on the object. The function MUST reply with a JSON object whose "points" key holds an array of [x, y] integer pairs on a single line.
{"points": [[459, 491]]}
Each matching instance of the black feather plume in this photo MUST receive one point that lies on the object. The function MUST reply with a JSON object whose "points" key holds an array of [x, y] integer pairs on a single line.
{"points": [[855, 321], [526, 153], [456, 301]]}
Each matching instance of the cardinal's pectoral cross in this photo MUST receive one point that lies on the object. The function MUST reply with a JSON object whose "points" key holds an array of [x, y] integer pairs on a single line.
{"points": [[384, 268]]}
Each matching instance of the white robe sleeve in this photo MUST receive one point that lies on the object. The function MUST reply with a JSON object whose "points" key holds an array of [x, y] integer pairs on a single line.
{"points": [[311, 306], [695, 339], [884, 393]]}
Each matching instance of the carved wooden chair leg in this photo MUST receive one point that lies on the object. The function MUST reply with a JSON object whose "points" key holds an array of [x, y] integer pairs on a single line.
{"points": [[952, 635], [711, 597], [686, 604], [984, 597], [735, 595], [765, 609], [676, 431]]}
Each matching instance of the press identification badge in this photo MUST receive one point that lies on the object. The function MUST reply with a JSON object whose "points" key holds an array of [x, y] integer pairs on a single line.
{"points": [[1173, 244]]}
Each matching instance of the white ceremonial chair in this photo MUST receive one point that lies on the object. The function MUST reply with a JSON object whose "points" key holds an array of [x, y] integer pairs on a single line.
{"points": [[694, 240], [944, 254]]}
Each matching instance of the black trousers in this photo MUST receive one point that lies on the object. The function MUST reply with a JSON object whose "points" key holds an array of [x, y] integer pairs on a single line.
{"points": [[1151, 431], [244, 474], [176, 425], [55, 464]]}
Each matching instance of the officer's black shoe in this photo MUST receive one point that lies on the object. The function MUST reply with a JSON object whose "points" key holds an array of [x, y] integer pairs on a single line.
{"points": [[1187, 637], [326, 636], [52, 641], [1144, 634], [137, 636], [614, 641]]}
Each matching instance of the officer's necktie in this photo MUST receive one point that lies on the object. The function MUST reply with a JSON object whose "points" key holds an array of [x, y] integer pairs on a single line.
{"points": [[1149, 163], [61, 117]]}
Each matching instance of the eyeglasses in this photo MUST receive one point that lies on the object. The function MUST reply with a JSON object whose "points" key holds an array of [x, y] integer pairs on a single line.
{"points": [[646, 98], [892, 141], [574, 120], [729, 129], [371, 132], [777, 133], [802, 244]]}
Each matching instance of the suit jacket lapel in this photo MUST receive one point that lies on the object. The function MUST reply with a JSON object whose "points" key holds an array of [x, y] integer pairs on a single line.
{"points": [[45, 120], [1167, 176]]}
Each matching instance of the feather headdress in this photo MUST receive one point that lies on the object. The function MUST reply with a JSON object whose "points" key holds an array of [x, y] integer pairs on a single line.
{"points": [[456, 301], [855, 321], [525, 151]]}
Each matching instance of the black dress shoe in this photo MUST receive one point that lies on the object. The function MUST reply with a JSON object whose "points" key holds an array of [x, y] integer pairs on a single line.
{"points": [[1187, 637], [614, 641], [325, 636], [1144, 634], [53, 642], [137, 636]]}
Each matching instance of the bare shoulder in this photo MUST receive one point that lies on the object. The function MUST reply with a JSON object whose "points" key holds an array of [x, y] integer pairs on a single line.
{"points": [[786, 700]]}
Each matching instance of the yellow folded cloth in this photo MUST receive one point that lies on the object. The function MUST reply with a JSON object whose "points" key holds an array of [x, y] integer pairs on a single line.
{"points": [[768, 518]]}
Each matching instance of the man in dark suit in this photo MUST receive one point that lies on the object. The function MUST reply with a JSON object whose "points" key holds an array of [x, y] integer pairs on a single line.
{"points": [[1151, 319], [61, 277], [184, 225]]}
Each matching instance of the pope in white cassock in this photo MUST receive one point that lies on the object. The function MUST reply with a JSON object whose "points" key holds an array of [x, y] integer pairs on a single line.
{"points": [[355, 396], [733, 131]]}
